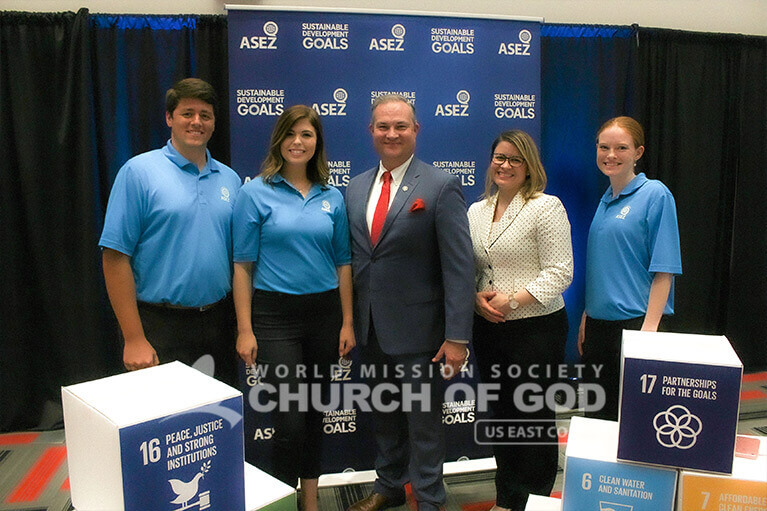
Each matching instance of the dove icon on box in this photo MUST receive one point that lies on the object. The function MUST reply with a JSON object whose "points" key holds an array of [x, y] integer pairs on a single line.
{"points": [[186, 491]]}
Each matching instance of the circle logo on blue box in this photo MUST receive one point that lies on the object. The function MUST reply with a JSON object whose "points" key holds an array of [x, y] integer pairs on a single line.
{"points": [[677, 427]]}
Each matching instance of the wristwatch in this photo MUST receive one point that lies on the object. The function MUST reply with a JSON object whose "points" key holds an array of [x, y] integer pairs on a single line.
{"points": [[512, 302]]}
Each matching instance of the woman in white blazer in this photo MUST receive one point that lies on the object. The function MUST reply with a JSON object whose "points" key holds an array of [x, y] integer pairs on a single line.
{"points": [[523, 262]]}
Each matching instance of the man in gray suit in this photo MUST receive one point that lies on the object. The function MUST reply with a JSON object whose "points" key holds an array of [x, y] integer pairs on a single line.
{"points": [[413, 295]]}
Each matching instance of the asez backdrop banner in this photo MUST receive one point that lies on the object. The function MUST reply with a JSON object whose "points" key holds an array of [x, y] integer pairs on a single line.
{"points": [[469, 79]]}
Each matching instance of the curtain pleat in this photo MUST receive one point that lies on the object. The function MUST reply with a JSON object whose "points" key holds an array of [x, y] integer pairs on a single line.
{"points": [[82, 93], [587, 76], [704, 108], [53, 321]]}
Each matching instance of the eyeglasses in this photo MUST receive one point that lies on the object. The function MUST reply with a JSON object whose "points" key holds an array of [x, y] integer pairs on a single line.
{"points": [[514, 161]]}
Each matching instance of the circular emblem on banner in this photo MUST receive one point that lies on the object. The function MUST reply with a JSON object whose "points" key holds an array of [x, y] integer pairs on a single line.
{"points": [[525, 36], [463, 97], [344, 362], [340, 95], [271, 28], [398, 31]]}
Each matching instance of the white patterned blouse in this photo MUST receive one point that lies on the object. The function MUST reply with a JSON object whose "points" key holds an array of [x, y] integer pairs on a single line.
{"points": [[529, 247]]}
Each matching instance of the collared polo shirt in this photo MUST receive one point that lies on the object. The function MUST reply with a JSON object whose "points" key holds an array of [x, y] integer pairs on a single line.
{"points": [[174, 222], [295, 243], [632, 237]]}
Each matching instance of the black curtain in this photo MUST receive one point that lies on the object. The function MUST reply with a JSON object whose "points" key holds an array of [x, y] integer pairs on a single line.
{"points": [[135, 60], [587, 77], [704, 107], [52, 322], [81, 93]]}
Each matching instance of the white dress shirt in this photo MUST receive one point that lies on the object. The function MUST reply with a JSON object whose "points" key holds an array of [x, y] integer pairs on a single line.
{"points": [[396, 179]]}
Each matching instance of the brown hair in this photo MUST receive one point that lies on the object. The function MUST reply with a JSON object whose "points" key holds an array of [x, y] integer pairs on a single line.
{"points": [[391, 98], [535, 182], [190, 88], [317, 170]]}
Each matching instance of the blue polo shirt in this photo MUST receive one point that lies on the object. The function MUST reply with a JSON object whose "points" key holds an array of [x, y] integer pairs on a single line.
{"points": [[174, 221], [632, 237], [296, 243]]}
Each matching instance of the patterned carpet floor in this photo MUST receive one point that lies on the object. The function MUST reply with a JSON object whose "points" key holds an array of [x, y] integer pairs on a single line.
{"points": [[33, 469]]}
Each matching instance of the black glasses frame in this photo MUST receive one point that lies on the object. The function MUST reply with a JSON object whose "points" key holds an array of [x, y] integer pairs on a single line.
{"points": [[514, 161]]}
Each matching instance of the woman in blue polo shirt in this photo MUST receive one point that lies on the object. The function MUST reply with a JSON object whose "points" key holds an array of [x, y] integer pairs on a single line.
{"points": [[292, 285], [631, 258]]}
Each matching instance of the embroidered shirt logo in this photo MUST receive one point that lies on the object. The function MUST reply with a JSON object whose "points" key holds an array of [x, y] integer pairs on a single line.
{"points": [[624, 212], [225, 194], [326, 206]]}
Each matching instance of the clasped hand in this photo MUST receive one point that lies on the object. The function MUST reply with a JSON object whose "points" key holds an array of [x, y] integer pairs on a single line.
{"points": [[492, 305]]}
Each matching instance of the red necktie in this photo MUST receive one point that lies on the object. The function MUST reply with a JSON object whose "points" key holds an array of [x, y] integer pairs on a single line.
{"points": [[381, 208]]}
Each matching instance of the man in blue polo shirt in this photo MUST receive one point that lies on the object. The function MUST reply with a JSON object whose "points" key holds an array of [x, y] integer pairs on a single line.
{"points": [[167, 243]]}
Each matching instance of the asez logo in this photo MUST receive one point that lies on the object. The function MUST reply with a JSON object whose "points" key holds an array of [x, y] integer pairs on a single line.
{"points": [[623, 213], [383, 44], [455, 110], [520, 48], [333, 109], [264, 42], [342, 371]]}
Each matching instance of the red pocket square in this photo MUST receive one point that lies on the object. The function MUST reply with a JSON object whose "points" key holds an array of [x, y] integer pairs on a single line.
{"points": [[418, 205]]}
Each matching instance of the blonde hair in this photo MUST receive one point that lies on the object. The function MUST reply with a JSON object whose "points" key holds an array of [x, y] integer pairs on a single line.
{"points": [[535, 181]]}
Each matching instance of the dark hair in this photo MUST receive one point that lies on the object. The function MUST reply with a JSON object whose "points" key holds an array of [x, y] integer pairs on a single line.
{"points": [[535, 182], [190, 88], [391, 98], [629, 124], [317, 170]]}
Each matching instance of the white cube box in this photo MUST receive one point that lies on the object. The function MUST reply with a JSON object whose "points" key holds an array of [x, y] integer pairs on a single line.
{"points": [[538, 503], [265, 493], [744, 490], [679, 400], [164, 438], [595, 480]]}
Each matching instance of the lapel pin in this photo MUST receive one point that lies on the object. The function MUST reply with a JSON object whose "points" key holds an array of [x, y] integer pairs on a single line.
{"points": [[404, 188]]}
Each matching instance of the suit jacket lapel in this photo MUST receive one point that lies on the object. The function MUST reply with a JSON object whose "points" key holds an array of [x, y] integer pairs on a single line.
{"points": [[512, 210], [406, 187], [485, 222]]}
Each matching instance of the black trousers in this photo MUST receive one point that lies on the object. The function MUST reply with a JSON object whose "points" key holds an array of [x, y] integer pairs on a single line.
{"points": [[602, 348], [188, 334], [297, 339], [511, 354]]}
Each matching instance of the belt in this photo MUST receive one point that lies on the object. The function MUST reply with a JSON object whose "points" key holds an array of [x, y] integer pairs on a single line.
{"points": [[170, 306]]}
